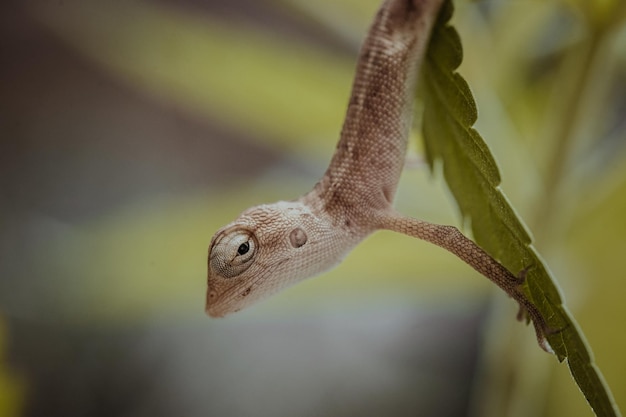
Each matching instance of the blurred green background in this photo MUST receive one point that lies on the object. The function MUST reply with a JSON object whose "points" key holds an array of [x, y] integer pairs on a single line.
{"points": [[131, 130]]}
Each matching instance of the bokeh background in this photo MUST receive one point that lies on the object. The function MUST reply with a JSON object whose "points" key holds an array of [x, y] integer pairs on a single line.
{"points": [[131, 130]]}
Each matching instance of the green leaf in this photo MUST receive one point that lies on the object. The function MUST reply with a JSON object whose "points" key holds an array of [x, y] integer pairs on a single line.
{"points": [[473, 178]]}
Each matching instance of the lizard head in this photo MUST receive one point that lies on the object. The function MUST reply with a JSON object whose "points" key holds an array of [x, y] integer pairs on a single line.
{"points": [[266, 249]]}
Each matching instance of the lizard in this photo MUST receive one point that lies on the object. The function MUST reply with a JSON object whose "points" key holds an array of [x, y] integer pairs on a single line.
{"points": [[272, 246]]}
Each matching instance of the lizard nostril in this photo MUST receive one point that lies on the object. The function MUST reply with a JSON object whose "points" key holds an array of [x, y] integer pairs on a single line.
{"points": [[209, 308]]}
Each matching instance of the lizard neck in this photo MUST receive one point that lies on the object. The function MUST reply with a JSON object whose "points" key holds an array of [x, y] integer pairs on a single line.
{"points": [[366, 166]]}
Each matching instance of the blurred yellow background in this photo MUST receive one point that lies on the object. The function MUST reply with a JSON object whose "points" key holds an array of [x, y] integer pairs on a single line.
{"points": [[131, 131]]}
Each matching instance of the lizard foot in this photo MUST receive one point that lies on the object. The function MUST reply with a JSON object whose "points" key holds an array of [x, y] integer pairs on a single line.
{"points": [[520, 279], [528, 312]]}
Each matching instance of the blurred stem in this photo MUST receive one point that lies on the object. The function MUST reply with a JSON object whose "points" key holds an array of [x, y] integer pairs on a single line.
{"points": [[571, 118]]}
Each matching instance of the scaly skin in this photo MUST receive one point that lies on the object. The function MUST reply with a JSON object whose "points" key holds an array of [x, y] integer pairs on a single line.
{"points": [[272, 246]]}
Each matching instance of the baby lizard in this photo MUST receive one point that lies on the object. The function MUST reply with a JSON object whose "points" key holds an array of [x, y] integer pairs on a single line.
{"points": [[272, 246]]}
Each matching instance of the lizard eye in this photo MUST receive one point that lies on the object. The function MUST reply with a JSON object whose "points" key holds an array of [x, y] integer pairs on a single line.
{"points": [[243, 248], [232, 252]]}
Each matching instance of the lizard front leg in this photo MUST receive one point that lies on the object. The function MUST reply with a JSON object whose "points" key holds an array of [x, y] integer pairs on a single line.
{"points": [[451, 239]]}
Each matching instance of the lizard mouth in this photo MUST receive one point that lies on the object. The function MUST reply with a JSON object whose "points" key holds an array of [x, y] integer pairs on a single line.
{"points": [[213, 307], [222, 300], [214, 310], [218, 304]]}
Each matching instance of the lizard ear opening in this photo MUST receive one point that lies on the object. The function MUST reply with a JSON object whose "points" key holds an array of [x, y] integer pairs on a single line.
{"points": [[297, 237]]}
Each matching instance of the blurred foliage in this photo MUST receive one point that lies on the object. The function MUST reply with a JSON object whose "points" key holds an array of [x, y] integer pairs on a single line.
{"points": [[228, 72], [11, 387], [548, 78]]}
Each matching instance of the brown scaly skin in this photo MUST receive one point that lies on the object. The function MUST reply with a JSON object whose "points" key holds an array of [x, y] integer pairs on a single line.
{"points": [[272, 246]]}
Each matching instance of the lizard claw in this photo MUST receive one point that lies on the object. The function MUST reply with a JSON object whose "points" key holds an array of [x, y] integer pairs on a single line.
{"points": [[521, 277], [542, 329], [522, 315], [543, 340]]}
